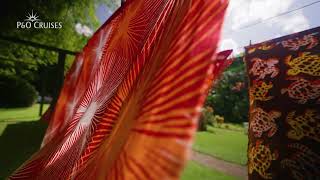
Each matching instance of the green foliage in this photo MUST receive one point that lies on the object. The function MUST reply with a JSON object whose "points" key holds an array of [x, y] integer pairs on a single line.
{"points": [[230, 126], [229, 98], [206, 118], [16, 92], [29, 62], [218, 119], [211, 120]]}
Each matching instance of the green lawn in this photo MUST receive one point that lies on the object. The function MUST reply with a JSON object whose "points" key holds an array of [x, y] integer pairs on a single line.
{"points": [[20, 136], [195, 171], [18, 142], [21, 113], [224, 144], [14, 115]]}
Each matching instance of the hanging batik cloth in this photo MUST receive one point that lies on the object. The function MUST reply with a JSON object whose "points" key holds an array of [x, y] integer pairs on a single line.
{"points": [[221, 63], [284, 125], [130, 103]]}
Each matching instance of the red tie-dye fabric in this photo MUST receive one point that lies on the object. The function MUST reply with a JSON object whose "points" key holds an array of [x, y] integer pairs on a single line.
{"points": [[221, 63], [130, 103]]}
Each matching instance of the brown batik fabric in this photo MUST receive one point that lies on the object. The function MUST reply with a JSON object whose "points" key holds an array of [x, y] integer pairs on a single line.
{"points": [[284, 125]]}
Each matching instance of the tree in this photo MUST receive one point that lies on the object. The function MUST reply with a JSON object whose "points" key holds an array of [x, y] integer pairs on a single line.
{"points": [[24, 61], [229, 98]]}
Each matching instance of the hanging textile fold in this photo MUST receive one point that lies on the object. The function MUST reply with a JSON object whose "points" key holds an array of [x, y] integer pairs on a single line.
{"points": [[130, 103]]}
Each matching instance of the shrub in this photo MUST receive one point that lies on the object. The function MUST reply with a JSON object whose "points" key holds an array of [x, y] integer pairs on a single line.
{"points": [[218, 119], [229, 97], [16, 92], [206, 118], [202, 124]]}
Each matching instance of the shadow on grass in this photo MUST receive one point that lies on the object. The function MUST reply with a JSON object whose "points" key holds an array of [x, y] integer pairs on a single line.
{"points": [[17, 143]]}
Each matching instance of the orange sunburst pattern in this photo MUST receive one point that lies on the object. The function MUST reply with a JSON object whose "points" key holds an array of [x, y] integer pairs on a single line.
{"points": [[130, 103]]}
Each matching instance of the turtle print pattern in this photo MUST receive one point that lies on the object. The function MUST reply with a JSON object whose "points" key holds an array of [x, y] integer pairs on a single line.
{"points": [[260, 90], [305, 125], [263, 47], [284, 116], [263, 122], [303, 164], [260, 158], [303, 90], [262, 68], [307, 40], [305, 63]]}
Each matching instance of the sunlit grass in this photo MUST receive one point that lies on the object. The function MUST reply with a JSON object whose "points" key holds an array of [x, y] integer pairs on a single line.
{"points": [[225, 144], [21, 113], [195, 171], [14, 115]]}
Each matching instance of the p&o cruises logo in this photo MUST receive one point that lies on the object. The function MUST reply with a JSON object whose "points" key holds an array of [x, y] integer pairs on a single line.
{"points": [[33, 21]]}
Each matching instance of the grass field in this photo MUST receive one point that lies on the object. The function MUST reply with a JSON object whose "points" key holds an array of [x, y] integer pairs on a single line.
{"points": [[20, 136], [21, 113], [195, 171], [18, 142], [224, 144], [14, 115]]}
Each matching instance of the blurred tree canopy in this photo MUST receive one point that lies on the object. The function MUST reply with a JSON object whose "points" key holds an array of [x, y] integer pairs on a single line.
{"points": [[229, 98], [25, 61]]}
